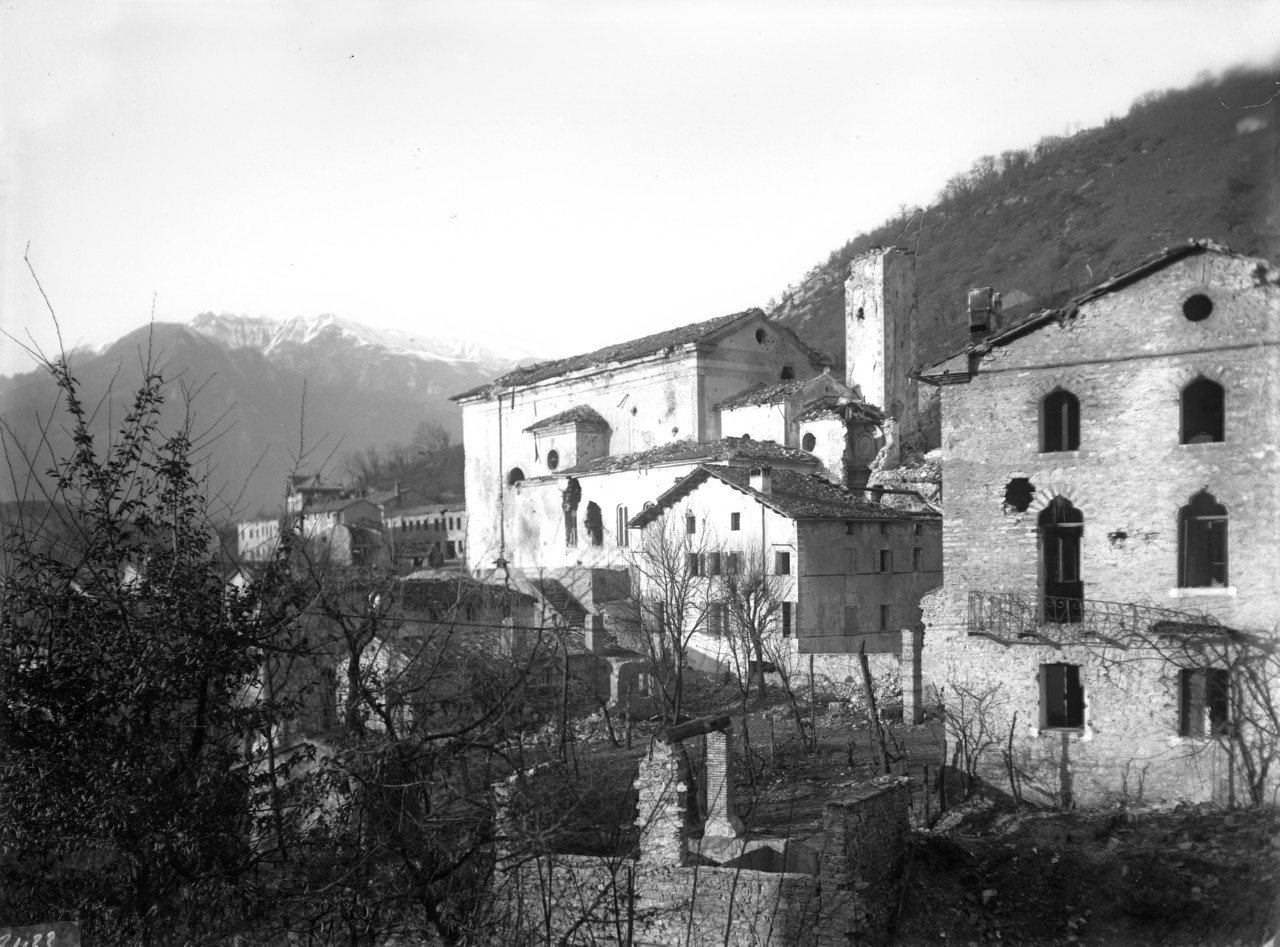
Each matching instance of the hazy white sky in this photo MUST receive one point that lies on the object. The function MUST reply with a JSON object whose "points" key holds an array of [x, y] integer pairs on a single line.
{"points": [[553, 175]]}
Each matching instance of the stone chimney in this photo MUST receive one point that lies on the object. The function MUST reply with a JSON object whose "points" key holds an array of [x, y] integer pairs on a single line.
{"points": [[762, 479], [720, 820], [880, 318], [985, 308]]}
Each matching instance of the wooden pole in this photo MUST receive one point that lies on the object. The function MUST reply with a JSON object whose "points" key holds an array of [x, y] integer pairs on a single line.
{"points": [[872, 709], [813, 708]]}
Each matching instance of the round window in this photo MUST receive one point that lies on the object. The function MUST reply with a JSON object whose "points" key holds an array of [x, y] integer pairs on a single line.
{"points": [[553, 459], [1197, 307], [809, 442], [514, 476]]}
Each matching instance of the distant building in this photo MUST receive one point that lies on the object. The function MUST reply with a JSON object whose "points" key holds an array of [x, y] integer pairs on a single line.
{"points": [[427, 536]]}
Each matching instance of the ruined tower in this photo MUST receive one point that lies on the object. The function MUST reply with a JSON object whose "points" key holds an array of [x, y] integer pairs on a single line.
{"points": [[880, 308]]}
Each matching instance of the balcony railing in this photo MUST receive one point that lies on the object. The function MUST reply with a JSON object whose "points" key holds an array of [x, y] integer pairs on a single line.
{"points": [[1015, 618]]}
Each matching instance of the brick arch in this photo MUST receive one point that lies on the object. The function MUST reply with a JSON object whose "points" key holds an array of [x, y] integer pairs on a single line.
{"points": [[1076, 384], [1044, 495]]}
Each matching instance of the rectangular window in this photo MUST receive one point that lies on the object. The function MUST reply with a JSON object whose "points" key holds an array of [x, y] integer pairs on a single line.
{"points": [[786, 619], [1061, 697], [885, 618], [735, 521], [919, 530], [916, 556], [886, 560], [848, 527], [850, 566], [717, 618], [782, 563], [690, 523], [713, 563], [693, 563], [734, 564], [884, 529], [1204, 702]]}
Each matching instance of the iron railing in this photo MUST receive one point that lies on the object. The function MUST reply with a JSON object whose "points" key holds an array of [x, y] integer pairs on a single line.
{"points": [[1013, 618]]}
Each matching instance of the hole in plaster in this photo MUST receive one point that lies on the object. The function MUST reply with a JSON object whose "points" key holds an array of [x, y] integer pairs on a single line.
{"points": [[1017, 495]]}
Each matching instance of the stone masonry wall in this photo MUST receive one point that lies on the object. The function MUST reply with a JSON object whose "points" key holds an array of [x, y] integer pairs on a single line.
{"points": [[586, 899], [1126, 356]]}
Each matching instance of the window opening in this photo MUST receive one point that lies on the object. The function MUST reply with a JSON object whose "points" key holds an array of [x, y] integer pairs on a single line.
{"points": [[808, 442], [1202, 543], [788, 373], [760, 336], [782, 563], [733, 563], [1060, 422], [786, 619], [553, 459], [1061, 697], [717, 619], [713, 563], [885, 615], [570, 497], [690, 523], [514, 476], [886, 560], [1197, 307], [693, 563], [735, 521], [1202, 412], [1204, 702], [917, 555], [622, 533], [594, 522], [884, 529], [1061, 534]]}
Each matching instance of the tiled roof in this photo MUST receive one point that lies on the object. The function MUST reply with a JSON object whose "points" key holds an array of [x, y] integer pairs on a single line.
{"points": [[1029, 323], [793, 494], [760, 393], [579, 414], [831, 406], [686, 451], [333, 506], [637, 348]]}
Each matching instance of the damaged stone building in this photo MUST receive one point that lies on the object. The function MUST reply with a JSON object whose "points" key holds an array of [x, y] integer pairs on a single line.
{"points": [[1111, 531], [564, 457]]}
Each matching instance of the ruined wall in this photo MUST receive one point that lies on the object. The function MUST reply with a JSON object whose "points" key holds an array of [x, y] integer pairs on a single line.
{"points": [[1126, 356], [760, 422], [653, 901]]}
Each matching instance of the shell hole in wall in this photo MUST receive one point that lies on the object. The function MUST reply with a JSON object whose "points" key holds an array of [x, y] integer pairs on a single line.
{"points": [[1197, 307], [1017, 495], [514, 476], [788, 373], [808, 442]]}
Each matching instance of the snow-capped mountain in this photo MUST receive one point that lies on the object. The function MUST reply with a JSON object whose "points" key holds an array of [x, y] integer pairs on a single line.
{"points": [[362, 387], [277, 337]]}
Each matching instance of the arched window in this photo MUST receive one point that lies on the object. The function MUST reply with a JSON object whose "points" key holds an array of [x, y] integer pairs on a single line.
{"points": [[1202, 412], [621, 532], [514, 476], [1202, 543], [1059, 422], [1061, 535]]}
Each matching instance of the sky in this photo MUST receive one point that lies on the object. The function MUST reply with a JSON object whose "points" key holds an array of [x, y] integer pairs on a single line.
{"points": [[547, 177]]}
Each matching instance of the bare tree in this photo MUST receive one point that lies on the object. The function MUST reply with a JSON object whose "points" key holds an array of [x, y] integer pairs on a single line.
{"points": [[752, 598], [671, 599]]}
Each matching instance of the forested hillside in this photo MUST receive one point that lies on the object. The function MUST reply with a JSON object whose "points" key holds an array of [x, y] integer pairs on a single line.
{"points": [[1043, 224]]}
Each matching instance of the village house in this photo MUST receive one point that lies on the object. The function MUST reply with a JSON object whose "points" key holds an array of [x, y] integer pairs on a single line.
{"points": [[427, 535], [563, 456], [1111, 527]]}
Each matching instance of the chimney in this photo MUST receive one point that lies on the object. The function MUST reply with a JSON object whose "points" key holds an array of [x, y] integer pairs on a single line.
{"points": [[762, 479], [594, 636], [397, 490], [985, 307]]}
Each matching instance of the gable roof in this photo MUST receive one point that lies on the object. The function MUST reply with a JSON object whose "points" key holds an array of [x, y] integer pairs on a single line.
{"points": [[1036, 320], [687, 451], [800, 496], [760, 393], [833, 407], [637, 348], [579, 414]]}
